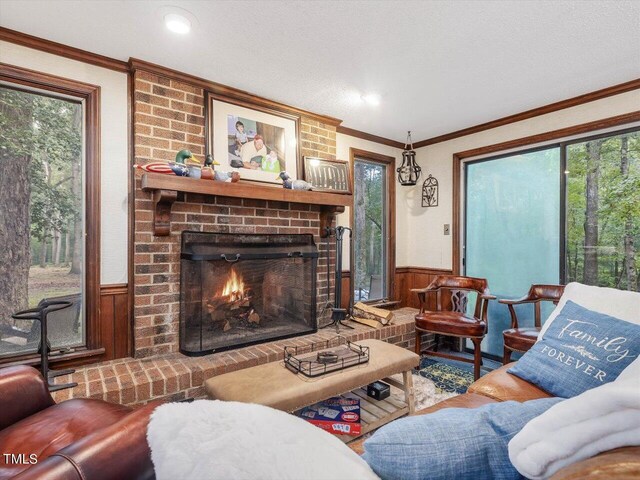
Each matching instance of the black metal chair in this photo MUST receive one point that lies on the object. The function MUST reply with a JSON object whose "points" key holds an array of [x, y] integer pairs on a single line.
{"points": [[63, 331], [40, 314]]}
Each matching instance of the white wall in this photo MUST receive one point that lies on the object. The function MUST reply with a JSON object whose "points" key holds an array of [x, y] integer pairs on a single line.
{"points": [[343, 144], [114, 146], [431, 248]]}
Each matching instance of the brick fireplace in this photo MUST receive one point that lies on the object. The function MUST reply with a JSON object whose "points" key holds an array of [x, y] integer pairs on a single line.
{"points": [[168, 115], [157, 259]]}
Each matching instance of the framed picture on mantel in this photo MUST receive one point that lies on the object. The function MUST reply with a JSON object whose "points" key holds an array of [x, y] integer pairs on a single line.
{"points": [[327, 175], [257, 142]]}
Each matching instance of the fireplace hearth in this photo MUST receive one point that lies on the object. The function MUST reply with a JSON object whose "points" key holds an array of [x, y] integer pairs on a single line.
{"points": [[243, 289]]}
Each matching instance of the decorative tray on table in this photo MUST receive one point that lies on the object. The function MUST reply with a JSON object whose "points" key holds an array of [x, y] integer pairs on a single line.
{"points": [[325, 357]]}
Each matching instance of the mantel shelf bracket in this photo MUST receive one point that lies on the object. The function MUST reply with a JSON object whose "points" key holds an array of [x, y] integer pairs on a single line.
{"points": [[327, 214], [163, 201]]}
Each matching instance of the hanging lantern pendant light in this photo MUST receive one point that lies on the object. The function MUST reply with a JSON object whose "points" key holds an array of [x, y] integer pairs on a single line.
{"points": [[409, 172]]}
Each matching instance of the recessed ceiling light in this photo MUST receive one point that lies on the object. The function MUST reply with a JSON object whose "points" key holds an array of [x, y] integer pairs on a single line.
{"points": [[177, 23], [372, 99]]}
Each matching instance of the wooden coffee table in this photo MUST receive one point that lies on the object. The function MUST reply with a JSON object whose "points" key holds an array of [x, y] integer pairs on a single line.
{"points": [[275, 386]]}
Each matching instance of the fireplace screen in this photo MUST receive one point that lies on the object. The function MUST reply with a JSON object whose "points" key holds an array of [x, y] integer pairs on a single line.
{"points": [[237, 289]]}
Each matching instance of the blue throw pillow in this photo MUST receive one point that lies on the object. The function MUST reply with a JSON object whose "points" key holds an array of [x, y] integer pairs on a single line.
{"points": [[580, 350], [453, 443]]}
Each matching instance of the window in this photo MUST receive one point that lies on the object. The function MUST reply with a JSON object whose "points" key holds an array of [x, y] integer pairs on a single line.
{"points": [[374, 250], [49, 220], [603, 211], [41, 165]]}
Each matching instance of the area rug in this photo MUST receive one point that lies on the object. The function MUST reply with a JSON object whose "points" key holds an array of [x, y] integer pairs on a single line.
{"points": [[447, 376], [425, 392]]}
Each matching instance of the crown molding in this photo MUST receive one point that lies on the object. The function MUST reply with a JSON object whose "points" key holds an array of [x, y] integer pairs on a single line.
{"points": [[368, 136], [55, 48], [535, 112]]}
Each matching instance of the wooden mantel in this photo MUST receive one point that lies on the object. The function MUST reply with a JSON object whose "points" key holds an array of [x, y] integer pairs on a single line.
{"points": [[165, 190]]}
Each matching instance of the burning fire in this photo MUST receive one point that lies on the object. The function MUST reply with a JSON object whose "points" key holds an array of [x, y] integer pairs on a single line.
{"points": [[234, 288]]}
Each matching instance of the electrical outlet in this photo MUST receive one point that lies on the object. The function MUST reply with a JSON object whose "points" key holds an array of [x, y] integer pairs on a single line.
{"points": [[447, 230]]}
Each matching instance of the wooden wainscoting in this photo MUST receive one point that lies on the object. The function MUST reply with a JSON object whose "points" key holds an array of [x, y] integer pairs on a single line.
{"points": [[415, 277], [115, 326], [406, 278]]}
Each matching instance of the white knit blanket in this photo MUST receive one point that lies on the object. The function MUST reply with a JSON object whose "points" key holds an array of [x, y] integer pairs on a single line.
{"points": [[598, 420], [214, 440]]}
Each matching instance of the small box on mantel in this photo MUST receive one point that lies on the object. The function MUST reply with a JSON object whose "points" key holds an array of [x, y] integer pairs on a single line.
{"points": [[378, 390], [337, 415]]}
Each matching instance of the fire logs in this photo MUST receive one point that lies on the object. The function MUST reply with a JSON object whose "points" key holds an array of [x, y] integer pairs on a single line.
{"points": [[254, 317], [233, 310], [369, 313]]}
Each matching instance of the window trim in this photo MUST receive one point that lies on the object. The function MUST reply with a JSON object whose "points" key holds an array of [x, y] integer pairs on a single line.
{"points": [[90, 95], [389, 162]]}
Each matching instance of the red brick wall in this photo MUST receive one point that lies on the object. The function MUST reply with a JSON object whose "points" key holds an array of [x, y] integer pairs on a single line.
{"points": [[168, 117]]}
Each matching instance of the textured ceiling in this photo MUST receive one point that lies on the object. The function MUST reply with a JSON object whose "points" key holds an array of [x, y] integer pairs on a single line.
{"points": [[438, 66]]}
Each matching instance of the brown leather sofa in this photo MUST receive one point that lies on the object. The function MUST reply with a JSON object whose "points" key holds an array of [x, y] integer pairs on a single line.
{"points": [[499, 386], [73, 440]]}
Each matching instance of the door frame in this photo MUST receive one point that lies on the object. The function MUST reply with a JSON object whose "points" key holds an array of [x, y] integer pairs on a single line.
{"points": [[389, 163]]}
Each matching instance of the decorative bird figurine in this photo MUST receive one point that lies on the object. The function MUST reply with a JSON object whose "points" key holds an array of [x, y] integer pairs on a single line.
{"points": [[232, 177], [188, 160], [183, 156], [210, 162], [179, 169], [290, 184], [208, 171]]}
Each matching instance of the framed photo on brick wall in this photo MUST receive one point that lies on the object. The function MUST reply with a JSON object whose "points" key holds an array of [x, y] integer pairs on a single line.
{"points": [[328, 175], [257, 142]]}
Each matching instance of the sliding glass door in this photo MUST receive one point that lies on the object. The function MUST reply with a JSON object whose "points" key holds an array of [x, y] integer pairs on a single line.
{"points": [[562, 213], [512, 229]]}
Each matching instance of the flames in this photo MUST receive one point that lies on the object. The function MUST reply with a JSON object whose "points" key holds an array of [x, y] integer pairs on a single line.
{"points": [[234, 288]]}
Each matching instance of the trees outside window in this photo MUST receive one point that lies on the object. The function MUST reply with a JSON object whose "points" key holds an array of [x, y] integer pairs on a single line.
{"points": [[370, 232], [41, 219], [603, 211]]}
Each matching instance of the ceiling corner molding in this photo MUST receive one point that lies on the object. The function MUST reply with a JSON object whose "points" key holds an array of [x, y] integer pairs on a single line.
{"points": [[535, 112], [610, 122], [226, 91], [368, 136], [62, 50]]}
